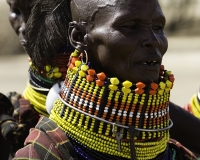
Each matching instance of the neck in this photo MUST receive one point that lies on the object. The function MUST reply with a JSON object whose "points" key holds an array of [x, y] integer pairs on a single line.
{"points": [[42, 78], [138, 107]]}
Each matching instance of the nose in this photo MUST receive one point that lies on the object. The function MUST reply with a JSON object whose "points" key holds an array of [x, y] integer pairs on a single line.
{"points": [[151, 41]]}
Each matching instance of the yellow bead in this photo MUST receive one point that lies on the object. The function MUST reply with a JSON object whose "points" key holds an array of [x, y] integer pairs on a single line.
{"points": [[56, 69], [84, 68], [167, 90], [162, 85], [47, 68], [78, 63], [113, 87], [169, 72], [127, 84], [81, 73], [169, 84], [75, 53], [75, 69], [57, 74], [126, 90], [50, 75], [114, 81]]}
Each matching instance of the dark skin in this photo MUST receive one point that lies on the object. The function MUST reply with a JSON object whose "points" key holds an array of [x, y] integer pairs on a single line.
{"points": [[134, 35], [18, 17], [135, 39]]}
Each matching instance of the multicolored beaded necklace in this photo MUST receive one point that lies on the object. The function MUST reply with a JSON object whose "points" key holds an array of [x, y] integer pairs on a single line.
{"points": [[42, 79], [135, 106]]}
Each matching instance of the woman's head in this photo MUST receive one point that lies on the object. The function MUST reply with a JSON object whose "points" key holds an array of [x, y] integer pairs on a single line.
{"points": [[18, 17], [124, 39]]}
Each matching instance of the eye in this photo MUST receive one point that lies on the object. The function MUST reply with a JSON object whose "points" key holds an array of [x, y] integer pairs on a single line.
{"points": [[158, 27], [130, 25]]}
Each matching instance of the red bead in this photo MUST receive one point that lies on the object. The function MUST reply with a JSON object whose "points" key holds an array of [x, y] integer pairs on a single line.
{"points": [[63, 69], [162, 67], [99, 83], [90, 78], [71, 66], [91, 72], [140, 85], [101, 76], [154, 85], [152, 92], [74, 60], [139, 91]]}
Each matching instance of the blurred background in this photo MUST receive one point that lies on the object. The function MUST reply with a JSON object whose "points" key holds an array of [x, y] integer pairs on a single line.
{"points": [[182, 58]]}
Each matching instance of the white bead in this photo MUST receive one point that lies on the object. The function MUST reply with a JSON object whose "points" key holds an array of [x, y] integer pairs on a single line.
{"points": [[119, 114], [80, 102], [90, 106]]}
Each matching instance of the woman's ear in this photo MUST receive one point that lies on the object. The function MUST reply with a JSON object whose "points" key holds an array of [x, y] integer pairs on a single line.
{"points": [[77, 33]]}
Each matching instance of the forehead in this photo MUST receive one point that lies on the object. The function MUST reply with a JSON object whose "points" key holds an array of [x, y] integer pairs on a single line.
{"points": [[108, 10]]}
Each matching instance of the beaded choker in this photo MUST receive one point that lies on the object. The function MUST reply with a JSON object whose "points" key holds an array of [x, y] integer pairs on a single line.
{"points": [[132, 105], [50, 73]]}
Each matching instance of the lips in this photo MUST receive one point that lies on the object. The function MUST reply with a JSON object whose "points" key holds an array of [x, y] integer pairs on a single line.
{"points": [[149, 64]]}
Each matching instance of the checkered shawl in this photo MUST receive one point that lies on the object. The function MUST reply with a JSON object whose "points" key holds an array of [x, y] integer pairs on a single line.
{"points": [[46, 141]]}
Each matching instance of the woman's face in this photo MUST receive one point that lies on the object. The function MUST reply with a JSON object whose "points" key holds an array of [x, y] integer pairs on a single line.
{"points": [[128, 41], [18, 16]]}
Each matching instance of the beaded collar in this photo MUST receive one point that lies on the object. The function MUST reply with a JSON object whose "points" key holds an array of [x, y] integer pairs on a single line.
{"points": [[41, 79], [132, 105]]}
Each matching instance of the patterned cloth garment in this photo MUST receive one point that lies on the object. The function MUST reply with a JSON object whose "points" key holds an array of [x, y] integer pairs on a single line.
{"points": [[48, 141]]}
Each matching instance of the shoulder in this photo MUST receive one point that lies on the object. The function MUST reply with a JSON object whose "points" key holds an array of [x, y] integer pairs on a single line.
{"points": [[46, 140]]}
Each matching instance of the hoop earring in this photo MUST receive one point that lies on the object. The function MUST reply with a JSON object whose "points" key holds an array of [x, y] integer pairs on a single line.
{"points": [[86, 57]]}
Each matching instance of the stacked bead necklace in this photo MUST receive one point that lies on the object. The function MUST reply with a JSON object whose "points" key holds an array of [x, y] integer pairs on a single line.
{"points": [[138, 114], [41, 79]]}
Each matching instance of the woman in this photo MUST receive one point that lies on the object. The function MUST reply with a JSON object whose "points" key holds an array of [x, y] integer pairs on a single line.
{"points": [[114, 101]]}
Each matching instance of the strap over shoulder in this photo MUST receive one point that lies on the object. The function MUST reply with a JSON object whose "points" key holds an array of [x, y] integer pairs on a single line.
{"points": [[50, 141]]}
